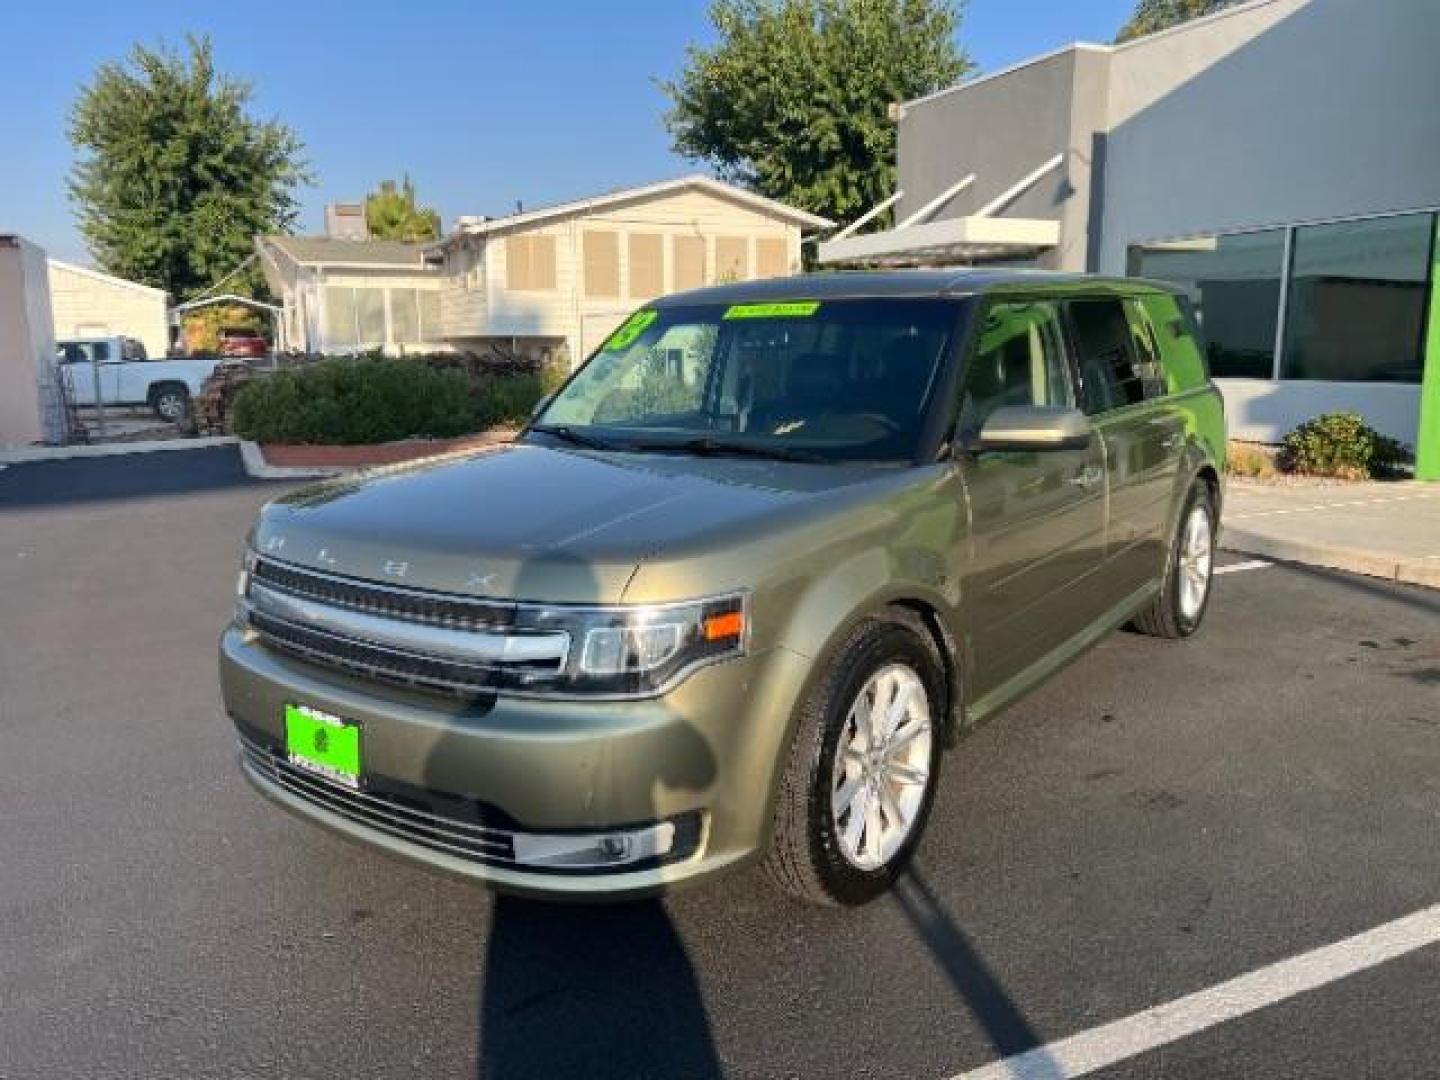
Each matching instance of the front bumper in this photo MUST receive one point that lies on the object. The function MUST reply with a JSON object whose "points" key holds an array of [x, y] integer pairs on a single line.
{"points": [[702, 762]]}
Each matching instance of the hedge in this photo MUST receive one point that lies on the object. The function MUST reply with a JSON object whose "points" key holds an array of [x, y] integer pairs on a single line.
{"points": [[1341, 444], [373, 400]]}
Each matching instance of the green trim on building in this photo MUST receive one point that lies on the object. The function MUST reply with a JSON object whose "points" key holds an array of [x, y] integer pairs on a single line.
{"points": [[1427, 440]]}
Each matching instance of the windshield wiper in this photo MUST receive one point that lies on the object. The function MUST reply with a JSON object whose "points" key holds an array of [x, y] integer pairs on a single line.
{"points": [[709, 447], [565, 433]]}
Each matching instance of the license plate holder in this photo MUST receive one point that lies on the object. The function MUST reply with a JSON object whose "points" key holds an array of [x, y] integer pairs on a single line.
{"points": [[323, 744]]}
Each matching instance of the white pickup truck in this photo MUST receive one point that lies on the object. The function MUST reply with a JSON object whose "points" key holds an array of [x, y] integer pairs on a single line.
{"points": [[125, 375]]}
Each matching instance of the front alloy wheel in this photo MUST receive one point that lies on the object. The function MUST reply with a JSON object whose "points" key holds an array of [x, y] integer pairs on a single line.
{"points": [[862, 766], [882, 767]]}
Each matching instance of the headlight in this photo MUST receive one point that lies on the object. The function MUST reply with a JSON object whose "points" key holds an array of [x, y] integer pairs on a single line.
{"points": [[640, 650]]}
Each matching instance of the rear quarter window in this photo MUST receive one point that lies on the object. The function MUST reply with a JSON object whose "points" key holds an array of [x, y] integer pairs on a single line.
{"points": [[1180, 352]]}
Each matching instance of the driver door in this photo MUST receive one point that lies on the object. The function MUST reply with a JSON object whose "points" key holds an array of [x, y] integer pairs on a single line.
{"points": [[1036, 518]]}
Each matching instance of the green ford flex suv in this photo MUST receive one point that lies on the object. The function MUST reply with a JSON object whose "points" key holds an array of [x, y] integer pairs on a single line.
{"points": [[738, 586]]}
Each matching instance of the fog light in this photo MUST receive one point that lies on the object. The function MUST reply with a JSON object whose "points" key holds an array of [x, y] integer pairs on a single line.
{"points": [[595, 850]]}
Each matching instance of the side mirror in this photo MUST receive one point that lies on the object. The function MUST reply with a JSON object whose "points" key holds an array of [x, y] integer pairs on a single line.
{"points": [[1033, 428]]}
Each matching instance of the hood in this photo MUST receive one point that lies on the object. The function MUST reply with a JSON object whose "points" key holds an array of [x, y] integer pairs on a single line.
{"points": [[536, 523]]}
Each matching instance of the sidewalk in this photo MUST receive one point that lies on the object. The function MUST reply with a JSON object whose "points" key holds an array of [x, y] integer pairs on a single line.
{"points": [[1389, 530]]}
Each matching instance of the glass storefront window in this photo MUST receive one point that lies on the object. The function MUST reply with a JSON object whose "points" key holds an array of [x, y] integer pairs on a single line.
{"points": [[1234, 283], [1357, 302]]}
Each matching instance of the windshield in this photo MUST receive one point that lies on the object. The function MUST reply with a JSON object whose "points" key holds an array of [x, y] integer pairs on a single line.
{"points": [[811, 380]]}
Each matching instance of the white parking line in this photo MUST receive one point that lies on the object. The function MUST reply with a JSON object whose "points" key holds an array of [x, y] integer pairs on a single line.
{"points": [[1102, 1047], [1235, 568]]}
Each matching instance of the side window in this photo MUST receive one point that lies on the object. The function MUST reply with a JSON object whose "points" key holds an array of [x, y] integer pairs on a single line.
{"points": [[1019, 359], [1148, 365], [1109, 373]]}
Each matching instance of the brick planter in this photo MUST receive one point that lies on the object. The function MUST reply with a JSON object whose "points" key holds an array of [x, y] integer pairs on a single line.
{"points": [[295, 456]]}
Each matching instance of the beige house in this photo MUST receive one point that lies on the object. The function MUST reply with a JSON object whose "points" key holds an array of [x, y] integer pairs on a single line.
{"points": [[535, 281], [87, 303]]}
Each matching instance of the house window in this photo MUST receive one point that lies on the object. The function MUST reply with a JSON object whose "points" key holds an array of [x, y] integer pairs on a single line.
{"points": [[339, 317], [404, 317], [370, 316], [602, 263], [1358, 294], [689, 262], [530, 262], [732, 261], [1234, 283], [647, 265], [429, 302], [772, 257]]}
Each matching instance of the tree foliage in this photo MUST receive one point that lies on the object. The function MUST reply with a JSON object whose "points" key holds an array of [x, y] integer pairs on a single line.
{"points": [[174, 178], [1154, 15], [792, 100], [392, 214]]}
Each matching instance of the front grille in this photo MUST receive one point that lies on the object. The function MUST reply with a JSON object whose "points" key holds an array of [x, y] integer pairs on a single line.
{"points": [[406, 637], [410, 605], [398, 815]]}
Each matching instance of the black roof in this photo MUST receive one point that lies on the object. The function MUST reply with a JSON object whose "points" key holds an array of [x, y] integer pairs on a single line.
{"points": [[860, 284]]}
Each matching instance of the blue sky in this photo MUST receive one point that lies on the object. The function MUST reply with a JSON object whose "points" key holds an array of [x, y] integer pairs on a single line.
{"points": [[482, 102]]}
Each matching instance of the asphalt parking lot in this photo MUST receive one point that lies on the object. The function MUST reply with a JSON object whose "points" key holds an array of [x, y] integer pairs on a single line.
{"points": [[1161, 818]]}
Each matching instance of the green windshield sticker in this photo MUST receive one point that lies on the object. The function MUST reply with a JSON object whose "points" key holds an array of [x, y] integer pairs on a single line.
{"points": [[789, 309], [630, 329]]}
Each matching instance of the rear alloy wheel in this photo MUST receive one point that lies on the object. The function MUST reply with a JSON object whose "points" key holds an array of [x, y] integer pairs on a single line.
{"points": [[861, 775], [1185, 593], [171, 403]]}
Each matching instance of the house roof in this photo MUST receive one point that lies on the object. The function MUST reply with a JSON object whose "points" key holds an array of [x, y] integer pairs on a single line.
{"points": [[325, 251], [646, 191], [108, 279]]}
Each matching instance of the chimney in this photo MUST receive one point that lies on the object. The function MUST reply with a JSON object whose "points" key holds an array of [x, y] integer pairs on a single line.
{"points": [[346, 221]]}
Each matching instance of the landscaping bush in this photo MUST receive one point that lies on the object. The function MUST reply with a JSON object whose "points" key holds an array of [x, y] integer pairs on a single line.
{"points": [[374, 399], [1341, 444], [1247, 459]]}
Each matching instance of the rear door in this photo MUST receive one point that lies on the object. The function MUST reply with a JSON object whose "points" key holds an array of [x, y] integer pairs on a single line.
{"points": [[1037, 520], [1123, 390]]}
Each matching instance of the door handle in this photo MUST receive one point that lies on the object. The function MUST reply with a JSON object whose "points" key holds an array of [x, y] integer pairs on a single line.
{"points": [[1087, 478]]}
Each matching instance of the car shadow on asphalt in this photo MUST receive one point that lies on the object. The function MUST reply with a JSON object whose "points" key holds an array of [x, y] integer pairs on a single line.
{"points": [[1002, 1020], [604, 991]]}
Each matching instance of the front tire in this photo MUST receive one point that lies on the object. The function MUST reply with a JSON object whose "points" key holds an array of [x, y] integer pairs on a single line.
{"points": [[1185, 593], [863, 766]]}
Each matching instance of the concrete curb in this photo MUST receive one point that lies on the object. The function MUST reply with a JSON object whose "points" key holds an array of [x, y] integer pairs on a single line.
{"points": [[27, 454], [1424, 572], [260, 469]]}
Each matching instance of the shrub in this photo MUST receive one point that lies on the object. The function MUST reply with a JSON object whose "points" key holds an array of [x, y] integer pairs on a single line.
{"points": [[1341, 444], [373, 399], [1247, 459]]}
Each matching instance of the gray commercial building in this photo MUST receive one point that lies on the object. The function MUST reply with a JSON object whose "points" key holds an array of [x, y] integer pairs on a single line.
{"points": [[1280, 159]]}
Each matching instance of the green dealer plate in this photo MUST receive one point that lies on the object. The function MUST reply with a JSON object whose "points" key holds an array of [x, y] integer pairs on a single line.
{"points": [[324, 744]]}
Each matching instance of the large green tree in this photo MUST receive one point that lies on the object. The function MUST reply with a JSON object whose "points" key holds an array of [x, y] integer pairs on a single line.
{"points": [[792, 99], [174, 177], [391, 213], [1153, 15]]}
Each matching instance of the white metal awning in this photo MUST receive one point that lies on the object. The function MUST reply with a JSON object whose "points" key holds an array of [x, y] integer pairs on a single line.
{"points": [[963, 239], [980, 236]]}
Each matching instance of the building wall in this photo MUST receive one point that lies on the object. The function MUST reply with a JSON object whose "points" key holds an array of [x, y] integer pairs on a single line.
{"points": [[29, 399], [1001, 128], [1329, 112], [88, 304]]}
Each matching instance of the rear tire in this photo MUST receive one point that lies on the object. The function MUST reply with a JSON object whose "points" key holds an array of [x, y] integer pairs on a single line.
{"points": [[170, 401], [1185, 593], [863, 767]]}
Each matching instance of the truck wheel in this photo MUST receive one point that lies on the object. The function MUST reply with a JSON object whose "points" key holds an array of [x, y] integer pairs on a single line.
{"points": [[863, 766], [171, 401], [1185, 593]]}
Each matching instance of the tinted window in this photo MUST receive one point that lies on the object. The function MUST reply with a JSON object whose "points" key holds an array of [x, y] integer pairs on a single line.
{"points": [[1357, 300], [1110, 377], [1234, 283], [1019, 359], [1147, 351]]}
